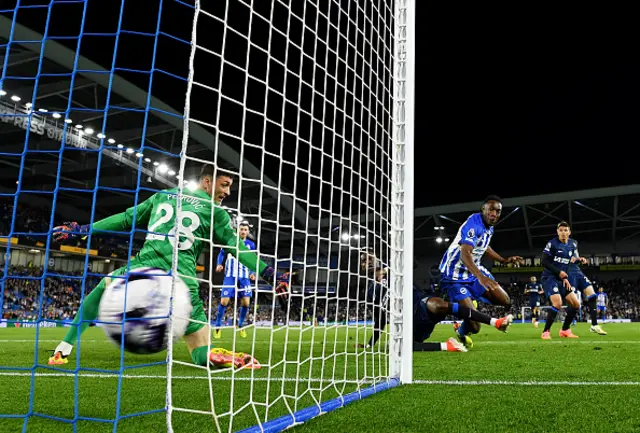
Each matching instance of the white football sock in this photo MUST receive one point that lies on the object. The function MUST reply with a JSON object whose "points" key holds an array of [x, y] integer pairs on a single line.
{"points": [[64, 348]]}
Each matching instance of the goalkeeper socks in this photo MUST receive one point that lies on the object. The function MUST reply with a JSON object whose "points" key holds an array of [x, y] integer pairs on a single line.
{"points": [[571, 314], [462, 312], [551, 317], [89, 311], [200, 355], [243, 314], [591, 302], [64, 348], [221, 310]]}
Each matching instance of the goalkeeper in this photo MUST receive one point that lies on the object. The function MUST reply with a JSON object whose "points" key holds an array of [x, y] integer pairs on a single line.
{"points": [[158, 216]]}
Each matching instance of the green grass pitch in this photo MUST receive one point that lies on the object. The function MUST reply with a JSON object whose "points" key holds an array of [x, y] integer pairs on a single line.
{"points": [[512, 382]]}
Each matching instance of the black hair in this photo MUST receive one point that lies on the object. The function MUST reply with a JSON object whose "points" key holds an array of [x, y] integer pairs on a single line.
{"points": [[492, 197], [209, 169], [563, 224], [243, 223]]}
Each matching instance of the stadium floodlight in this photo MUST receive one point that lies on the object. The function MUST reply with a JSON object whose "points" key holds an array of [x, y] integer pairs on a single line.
{"points": [[56, 115], [68, 121], [28, 105], [162, 168], [120, 146], [439, 240], [192, 185], [156, 163], [111, 141], [139, 155], [88, 131], [345, 236], [79, 126], [43, 110], [147, 160], [130, 150], [100, 135], [3, 92], [16, 98], [171, 173], [446, 239]]}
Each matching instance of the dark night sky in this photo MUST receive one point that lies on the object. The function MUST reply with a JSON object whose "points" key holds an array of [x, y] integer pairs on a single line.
{"points": [[544, 107], [510, 102]]}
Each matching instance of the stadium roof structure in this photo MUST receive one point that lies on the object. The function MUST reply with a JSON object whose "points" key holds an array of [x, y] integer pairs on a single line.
{"points": [[603, 216], [33, 158]]}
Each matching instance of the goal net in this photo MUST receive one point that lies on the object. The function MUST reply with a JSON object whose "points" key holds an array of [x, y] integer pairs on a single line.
{"points": [[309, 105]]}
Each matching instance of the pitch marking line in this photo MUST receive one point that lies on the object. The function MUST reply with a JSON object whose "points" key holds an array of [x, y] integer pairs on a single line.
{"points": [[520, 383], [290, 379]]}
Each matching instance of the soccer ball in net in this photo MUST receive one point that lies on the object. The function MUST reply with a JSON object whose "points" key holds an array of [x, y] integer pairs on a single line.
{"points": [[146, 324]]}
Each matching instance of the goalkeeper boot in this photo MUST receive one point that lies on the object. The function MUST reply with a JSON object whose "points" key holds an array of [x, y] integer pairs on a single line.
{"points": [[598, 330], [503, 323], [223, 358], [57, 358], [217, 334], [243, 333]]}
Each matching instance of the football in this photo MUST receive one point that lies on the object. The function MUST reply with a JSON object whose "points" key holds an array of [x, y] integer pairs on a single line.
{"points": [[136, 313]]}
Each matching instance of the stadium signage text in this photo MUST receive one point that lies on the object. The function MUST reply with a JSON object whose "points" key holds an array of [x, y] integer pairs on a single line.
{"points": [[39, 125]]}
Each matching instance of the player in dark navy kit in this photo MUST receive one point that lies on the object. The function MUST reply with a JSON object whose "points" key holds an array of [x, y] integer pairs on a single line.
{"points": [[428, 310], [556, 258], [533, 290], [462, 277], [581, 283]]}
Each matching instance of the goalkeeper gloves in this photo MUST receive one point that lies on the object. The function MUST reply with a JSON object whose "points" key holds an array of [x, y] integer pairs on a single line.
{"points": [[69, 230]]}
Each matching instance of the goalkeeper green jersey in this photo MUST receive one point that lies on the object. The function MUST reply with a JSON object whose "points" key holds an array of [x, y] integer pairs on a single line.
{"points": [[157, 215]]}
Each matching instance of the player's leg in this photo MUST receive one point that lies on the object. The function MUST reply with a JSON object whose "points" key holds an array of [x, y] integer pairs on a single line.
{"points": [[245, 301], [536, 313], [378, 295], [379, 323], [460, 293], [534, 309], [425, 321], [572, 310], [553, 290], [590, 295], [87, 312], [439, 309], [197, 339], [227, 292], [244, 293], [451, 345]]}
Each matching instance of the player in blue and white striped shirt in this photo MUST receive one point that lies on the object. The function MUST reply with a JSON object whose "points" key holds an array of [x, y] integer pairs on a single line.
{"points": [[462, 276], [237, 276]]}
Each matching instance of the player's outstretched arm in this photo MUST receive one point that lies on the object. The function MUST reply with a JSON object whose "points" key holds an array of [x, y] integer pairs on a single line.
{"points": [[498, 258], [466, 254], [220, 260], [118, 222]]}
